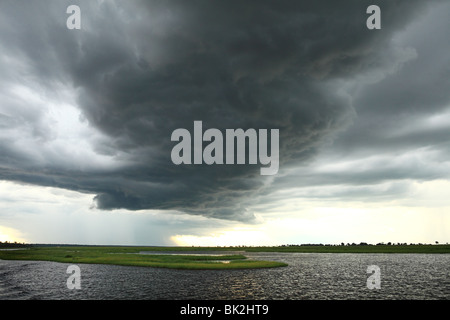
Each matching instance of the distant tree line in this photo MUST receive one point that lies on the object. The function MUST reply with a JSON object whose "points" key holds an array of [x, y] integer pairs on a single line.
{"points": [[14, 244], [7, 244], [358, 244]]}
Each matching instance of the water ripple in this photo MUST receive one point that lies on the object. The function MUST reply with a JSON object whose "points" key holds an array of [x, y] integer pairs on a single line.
{"points": [[309, 276]]}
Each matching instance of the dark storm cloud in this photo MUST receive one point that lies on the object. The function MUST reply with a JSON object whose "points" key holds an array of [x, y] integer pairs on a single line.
{"points": [[402, 128], [142, 69]]}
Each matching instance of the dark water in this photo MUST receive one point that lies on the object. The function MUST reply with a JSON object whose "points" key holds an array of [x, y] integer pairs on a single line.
{"points": [[308, 276]]}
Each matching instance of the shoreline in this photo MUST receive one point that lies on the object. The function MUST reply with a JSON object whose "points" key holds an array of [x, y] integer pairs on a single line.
{"points": [[190, 257], [319, 248]]}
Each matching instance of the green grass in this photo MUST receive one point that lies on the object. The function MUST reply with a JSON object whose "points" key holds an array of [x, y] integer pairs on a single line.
{"points": [[129, 256]]}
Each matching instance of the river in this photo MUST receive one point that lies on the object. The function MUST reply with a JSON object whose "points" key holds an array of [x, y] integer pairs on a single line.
{"points": [[309, 276]]}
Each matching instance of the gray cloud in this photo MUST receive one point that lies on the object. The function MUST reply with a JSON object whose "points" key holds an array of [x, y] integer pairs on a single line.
{"points": [[141, 69], [400, 132]]}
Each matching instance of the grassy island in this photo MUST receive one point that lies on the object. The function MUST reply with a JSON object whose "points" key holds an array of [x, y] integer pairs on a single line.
{"points": [[131, 256]]}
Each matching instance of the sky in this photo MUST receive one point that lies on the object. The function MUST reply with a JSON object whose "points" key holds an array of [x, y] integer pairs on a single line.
{"points": [[86, 118]]}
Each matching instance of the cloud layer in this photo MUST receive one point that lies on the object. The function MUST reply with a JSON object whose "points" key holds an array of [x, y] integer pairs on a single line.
{"points": [[92, 110]]}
